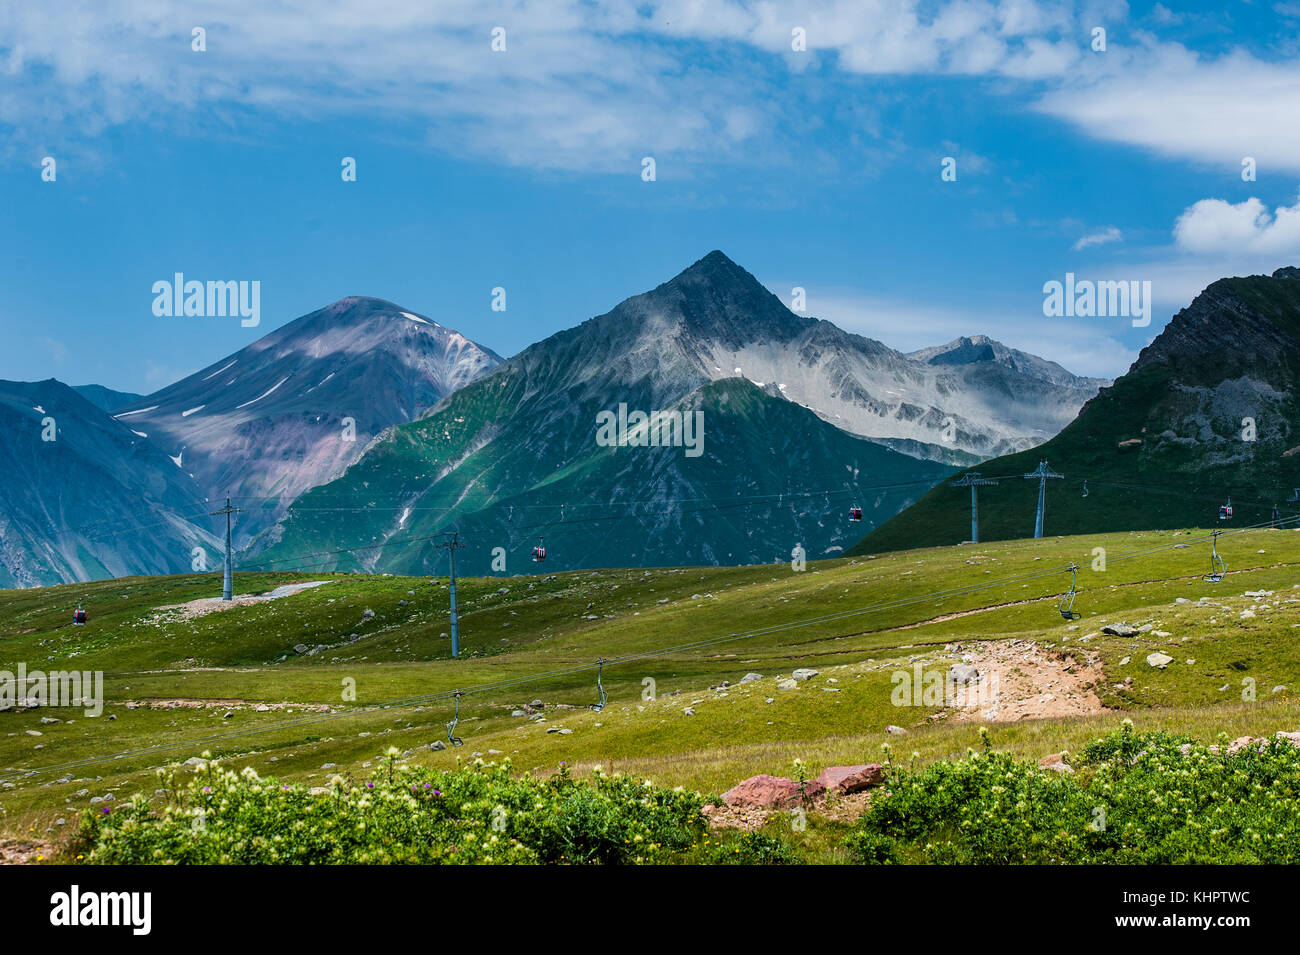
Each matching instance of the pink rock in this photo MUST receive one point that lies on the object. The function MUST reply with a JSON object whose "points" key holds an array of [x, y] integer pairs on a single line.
{"points": [[768, 792], [852, 779]]}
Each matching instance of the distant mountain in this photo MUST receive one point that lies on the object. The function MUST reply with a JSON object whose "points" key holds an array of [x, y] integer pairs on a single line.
{"points": [[1207, 412], [296, 407], [105, 399], [96, 501], [523, 432]]}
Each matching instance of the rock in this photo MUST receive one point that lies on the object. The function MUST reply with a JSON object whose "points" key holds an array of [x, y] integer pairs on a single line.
{"points": [[961, 673], [787, 685], [804, 673], [566, 732], [751, 677], [300, 648], [328, 765], [768, 792], [536, 703], [1056, 762], [437, 744], [262, 708], [1160, 660], [895, 730], [367, 614], [851, 779], [552, 729], [518, 713], [689, 711], [35, 733], [1246, 742], [1278, 689], [1292, 738], [228, 714], [1125, 661], [1120, 630]]}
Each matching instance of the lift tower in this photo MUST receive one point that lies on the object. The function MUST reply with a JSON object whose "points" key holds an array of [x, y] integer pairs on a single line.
{"points": [[973, 481], [1041, 475]]}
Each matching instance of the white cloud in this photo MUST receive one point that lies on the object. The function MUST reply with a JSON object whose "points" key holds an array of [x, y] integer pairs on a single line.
{"points": [[1166, 99], [1104, 237], [1213, 226]]}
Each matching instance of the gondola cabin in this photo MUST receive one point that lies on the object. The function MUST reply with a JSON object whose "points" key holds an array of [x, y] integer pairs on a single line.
{"points": [[855, 513], [1225, 512], [539, 553], [79, 616]]}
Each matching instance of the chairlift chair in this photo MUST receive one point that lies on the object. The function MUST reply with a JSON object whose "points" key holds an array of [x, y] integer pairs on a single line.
{"points": [[1085, 489], [1066, 604], [1217, 567]]}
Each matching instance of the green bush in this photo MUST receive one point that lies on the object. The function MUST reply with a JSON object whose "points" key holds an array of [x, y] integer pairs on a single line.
{"points": [[750, 848], [1133, 799], [478, 814]]}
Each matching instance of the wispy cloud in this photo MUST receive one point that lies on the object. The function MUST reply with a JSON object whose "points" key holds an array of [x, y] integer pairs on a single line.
{"points": [[1104, 237]]}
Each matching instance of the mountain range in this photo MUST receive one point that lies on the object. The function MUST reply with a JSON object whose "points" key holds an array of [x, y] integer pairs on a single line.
{"points": [[1207, 414], [362, 427]]}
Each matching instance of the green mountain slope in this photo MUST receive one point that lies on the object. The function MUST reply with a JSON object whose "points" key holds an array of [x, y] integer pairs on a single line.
{"points": [[1165, 445], [772, 475]]}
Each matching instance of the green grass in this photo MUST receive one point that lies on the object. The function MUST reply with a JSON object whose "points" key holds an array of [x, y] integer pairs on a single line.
{"points": [[245, 656]]}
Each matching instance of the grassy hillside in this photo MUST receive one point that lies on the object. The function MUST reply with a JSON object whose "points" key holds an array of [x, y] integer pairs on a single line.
{"points": [[231, 682]]}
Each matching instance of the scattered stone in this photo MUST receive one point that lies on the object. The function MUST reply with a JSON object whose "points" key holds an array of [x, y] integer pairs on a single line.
{"points": [[1160, 660], [851, 779], [1056, 762], [689, 711], [895, 730], [804, 673], [1124, 662], [1120, 630], [787, 685], [751, 677], [437, 744]]}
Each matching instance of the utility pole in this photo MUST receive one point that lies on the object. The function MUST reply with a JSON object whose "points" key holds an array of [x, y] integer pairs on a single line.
{"points": [[227, 586], [452, 546], [1042, 474], [974, 482]]}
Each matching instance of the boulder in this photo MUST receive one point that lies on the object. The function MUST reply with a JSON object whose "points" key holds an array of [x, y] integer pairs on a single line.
{"points": [[804, 673], [1160, 660], [1120, 630], [768, 792], [962, 673], [1056, 762], [895, 730], [787, 685], [851, 779], [751, 677]]}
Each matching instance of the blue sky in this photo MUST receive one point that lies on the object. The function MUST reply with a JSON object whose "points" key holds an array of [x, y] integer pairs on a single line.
{"points": [[522, 168]]}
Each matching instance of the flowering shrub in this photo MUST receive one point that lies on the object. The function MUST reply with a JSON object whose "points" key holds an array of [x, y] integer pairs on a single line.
{"points": [[1133, 799], [478, 814]]}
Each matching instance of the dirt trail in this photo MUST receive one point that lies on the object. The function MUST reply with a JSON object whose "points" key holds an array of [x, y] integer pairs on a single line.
{"points": [[207, 605]]}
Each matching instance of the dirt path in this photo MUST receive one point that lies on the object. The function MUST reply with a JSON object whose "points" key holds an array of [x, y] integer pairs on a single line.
{"points": [[207, 605]]}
